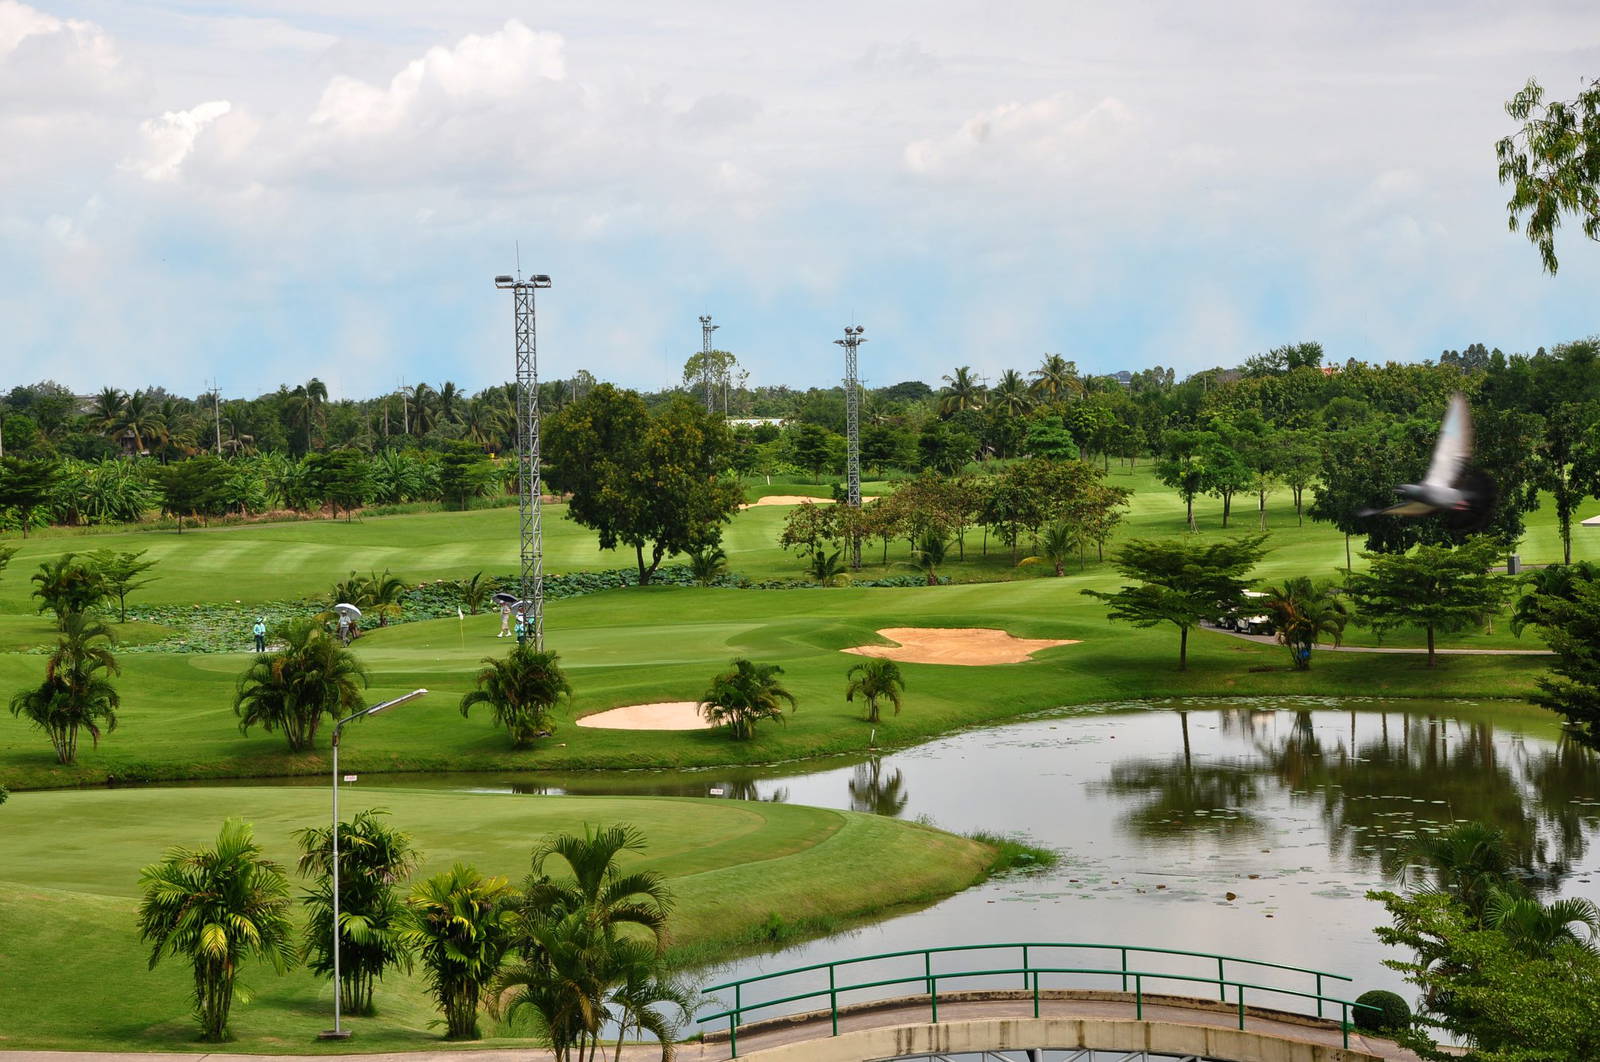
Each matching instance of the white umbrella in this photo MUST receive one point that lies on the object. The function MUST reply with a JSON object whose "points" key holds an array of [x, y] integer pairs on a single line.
{"points": [[344, 608]]}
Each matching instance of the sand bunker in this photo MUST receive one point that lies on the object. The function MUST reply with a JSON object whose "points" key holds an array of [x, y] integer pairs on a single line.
{"points": [[968, 646], [786, 499], [667, 715]]}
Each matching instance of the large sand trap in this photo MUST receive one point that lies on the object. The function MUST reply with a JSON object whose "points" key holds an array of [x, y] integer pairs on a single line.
{"points": [[786, 499], [969, 646], [667, 715]]}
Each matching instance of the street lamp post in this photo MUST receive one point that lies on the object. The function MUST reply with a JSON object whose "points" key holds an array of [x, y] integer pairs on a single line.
{"points": [[339, 1032]]}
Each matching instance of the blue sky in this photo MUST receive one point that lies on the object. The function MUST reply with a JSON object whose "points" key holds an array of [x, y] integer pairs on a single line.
{"points": [[263, 193]]}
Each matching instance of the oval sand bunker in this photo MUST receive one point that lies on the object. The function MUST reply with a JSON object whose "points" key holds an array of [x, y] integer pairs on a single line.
{"points": [[786, 499], [665, 715], [968, 646]]}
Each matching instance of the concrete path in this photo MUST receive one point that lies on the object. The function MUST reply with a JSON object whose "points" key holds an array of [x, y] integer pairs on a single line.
{"points": [[887, 1014], [1268, 639]]}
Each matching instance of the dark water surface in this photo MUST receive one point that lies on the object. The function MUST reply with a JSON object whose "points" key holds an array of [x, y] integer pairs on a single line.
{"points": [[1297, 807]]}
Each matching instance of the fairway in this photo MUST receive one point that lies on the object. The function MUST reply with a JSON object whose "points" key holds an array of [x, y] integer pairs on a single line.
{"points": [[68, 894]]}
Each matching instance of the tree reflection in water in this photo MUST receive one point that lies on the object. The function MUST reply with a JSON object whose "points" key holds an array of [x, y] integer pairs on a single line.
{"points": [[870, 791], [1378, 794]]}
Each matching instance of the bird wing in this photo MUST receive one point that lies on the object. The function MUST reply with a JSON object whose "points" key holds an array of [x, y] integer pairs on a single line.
{"points": [[1450, 453], [1410, 508]]}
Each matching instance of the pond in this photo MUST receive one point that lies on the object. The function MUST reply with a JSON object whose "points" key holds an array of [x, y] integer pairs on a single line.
{"points": [[1249, 828]]}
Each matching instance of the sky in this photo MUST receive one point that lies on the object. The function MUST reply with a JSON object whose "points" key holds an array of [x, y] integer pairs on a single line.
{"points": [[253, 194]]}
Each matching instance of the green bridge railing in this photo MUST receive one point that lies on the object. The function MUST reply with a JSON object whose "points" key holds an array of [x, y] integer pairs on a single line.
{"points": [[1032, 974]]}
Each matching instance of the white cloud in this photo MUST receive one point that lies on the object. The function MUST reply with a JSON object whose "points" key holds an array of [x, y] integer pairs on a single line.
{"points": [[478, 69], [170, 139]]}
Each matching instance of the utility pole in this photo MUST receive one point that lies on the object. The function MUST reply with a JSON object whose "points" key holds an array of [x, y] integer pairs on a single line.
{"points": [[852, 412], [707, 377], [529, 504], [216, 408]]}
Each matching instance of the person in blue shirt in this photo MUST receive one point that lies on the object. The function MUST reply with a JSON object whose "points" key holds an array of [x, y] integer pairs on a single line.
{"points": [[522, 627], [260, 631]]}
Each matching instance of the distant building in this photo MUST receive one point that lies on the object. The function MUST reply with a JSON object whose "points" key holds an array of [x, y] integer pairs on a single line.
{"points": [[1123, 377], [755, 422]]}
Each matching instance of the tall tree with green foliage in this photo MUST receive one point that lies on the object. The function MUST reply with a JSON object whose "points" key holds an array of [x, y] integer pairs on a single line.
{"points": [[373, 856], [1553, 165], [1181, 466], [67, 586], [77, 693], [1303, 612], [119, 575], [25, 484], [1435, 588], [1569, 620], [743, 696], [1181, 582], [340, 479], [522, 690], [217, 907], [460, 925], [194, 488], [650, 482], [292, 689]]}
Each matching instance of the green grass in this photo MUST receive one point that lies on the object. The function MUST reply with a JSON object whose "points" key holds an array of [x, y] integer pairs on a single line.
{"points": [[665, 643], [68, 897]]}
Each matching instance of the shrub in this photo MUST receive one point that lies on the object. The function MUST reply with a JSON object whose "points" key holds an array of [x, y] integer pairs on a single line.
{"points": [[1393, 1013]]}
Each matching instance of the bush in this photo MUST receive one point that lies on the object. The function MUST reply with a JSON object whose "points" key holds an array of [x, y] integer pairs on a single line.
{"points": [[1393, 1013]]}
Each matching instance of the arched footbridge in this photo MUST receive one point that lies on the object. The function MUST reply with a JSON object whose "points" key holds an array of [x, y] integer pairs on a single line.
{"points": [[1038, 1002]]}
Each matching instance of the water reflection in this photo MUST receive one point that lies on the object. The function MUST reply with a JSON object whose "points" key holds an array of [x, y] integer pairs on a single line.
{"points": [[872, 791]]}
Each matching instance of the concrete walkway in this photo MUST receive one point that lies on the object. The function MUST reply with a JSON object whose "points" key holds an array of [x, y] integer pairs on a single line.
{"points": [[786, 1036], [1268, 639]]}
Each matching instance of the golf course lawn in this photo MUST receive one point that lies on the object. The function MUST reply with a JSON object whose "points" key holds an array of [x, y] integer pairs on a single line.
{"points": [[70, 862]]}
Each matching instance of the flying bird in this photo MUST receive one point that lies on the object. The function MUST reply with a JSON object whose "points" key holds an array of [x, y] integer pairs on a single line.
{"points": [[1465, 495]]}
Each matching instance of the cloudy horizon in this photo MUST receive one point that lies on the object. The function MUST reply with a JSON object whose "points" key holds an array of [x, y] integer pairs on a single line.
{"points": [[260, 193]]}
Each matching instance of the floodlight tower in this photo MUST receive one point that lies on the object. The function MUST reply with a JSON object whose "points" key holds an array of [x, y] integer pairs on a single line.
{"points": [[852, 414], [530, 514], [706, 328]]}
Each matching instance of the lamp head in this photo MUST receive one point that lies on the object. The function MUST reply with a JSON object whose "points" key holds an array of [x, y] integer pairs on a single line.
{"points": [[539, 280], [504, 281], [386, 705]]}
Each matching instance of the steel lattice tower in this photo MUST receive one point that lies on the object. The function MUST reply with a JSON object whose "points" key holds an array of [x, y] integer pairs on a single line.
{"points": [[706, 376], [529, 509], [852, 411]]}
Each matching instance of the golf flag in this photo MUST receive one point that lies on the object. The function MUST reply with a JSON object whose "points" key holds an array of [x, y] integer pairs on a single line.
{"points": [[459, 614]]}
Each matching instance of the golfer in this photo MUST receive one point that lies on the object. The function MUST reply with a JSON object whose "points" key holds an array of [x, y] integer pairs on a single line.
{"points": [[522, 627], [344, 627], [260, 631], [505, 622]]}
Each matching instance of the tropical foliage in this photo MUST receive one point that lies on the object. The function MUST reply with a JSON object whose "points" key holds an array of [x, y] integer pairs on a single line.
{"points": [[293, 688], [875, 679], [745, 695], [1303, 612], [217, 907], [77, 693], [521, 690], [460, 925]]}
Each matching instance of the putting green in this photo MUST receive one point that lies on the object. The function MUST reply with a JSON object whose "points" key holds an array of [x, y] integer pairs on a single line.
{"points": [[70, 861]]}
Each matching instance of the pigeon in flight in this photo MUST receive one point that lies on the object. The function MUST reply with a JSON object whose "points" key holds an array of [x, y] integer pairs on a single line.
{"points": [[1465, 495]]}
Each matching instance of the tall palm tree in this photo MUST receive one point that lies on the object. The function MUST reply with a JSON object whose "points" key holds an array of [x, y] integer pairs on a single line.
{"points": [[1011, 393], [1538, 927], [76, 693], [1303, 612], [460, 924], [217, 907], [449, 400], [1056, 378], [293, 688], [372, 857], [1469, 861], [483, 423], [874, 679], [745, 695], [106, 414], [595, 886], [521, 691], [964, 390], [141, 418]]}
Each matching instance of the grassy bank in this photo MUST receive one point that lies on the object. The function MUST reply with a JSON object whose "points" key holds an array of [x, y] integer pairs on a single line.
{"points": [[68, 896]]}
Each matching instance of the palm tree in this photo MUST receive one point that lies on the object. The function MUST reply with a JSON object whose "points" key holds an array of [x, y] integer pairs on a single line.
{"points": [[76, 693], [217, 907], [708, 565], [106, 414], [449, 400], [1468, 861], [1303, 612], [460, 924], [745, 695], [648, 999], [874, 679], [929, 556], [483, 423], [1538, 927], [474, 592], [140, 417], [598, 888], [372, 857], [292, 689], [826, 568], [521, 690], [962, 391], [1056, 546], [67, 585], [1011, 393], [1056, 378]]}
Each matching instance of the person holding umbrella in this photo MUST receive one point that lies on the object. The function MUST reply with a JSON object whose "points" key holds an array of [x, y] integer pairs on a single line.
{"points": [[347, 614], [505, 601]]}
